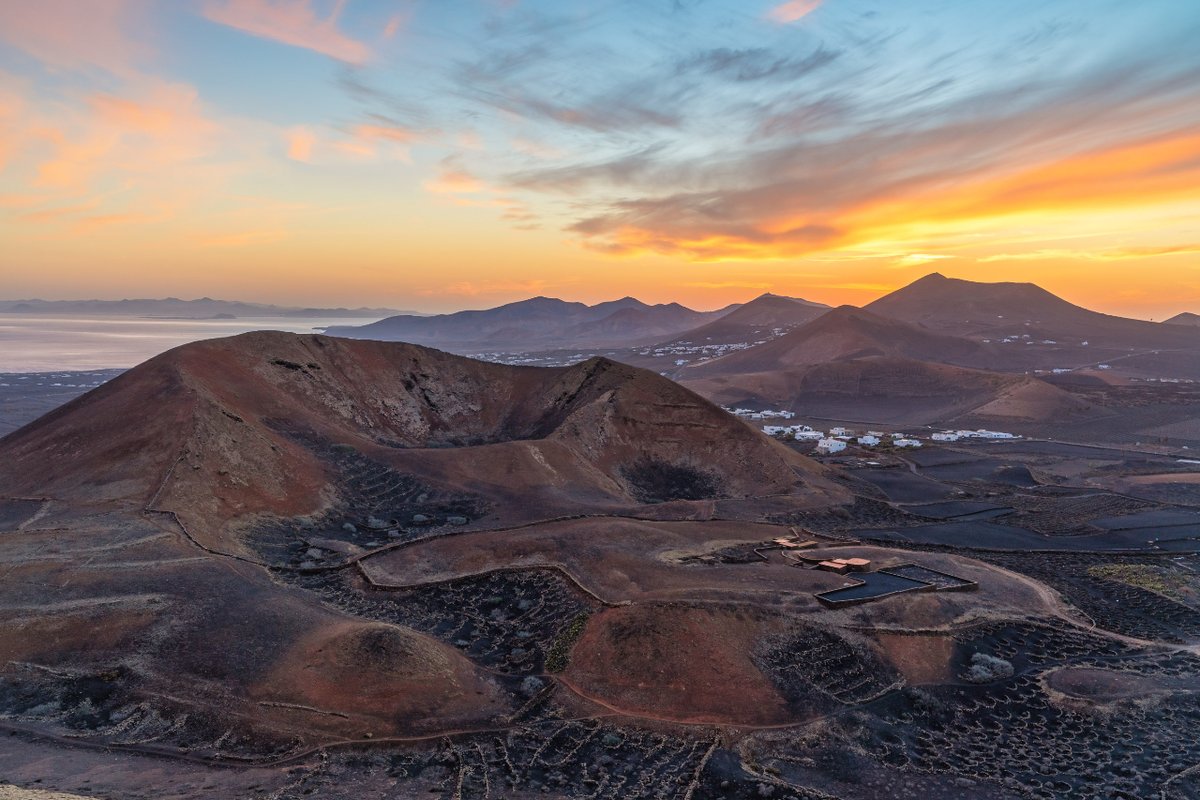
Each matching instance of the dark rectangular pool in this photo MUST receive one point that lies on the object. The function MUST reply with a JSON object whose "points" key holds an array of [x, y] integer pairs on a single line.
{"points": [[874, 585]]}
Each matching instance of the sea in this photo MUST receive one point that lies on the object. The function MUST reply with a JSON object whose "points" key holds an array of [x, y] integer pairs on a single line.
{"points": [[54, 342]]}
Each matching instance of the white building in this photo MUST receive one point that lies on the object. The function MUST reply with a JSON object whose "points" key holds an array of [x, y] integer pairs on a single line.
{"points": [[776, 430], [946, 436], [983, 433], [828, 446], [840, 432], [868, 440], [906, 443], [809, 436]]}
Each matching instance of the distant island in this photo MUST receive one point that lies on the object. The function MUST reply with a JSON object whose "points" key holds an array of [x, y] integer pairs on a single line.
{"points": [[174, 308]]}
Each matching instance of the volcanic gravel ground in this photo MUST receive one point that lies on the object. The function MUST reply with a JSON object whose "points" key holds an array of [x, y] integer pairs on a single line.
{"points": [[506, 621], [376, 505], [1112, 605]]}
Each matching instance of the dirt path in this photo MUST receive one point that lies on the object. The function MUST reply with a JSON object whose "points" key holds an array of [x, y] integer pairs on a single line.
{"points": [[42, 511]]}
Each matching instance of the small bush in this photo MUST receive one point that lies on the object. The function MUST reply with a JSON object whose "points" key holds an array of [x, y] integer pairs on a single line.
{"points": [[560, 651], [985, 669]]}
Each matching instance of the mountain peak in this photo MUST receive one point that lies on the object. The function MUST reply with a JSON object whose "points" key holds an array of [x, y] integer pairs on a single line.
{"points": [[1184, 318], [997, 310]]}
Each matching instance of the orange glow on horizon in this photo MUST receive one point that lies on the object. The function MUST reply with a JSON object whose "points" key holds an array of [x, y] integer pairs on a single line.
{"points": [[127, 173]]}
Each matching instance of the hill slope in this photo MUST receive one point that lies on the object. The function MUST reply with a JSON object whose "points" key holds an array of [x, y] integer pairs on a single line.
{"points": [[847, 332], [851, 364], [281, 424]]}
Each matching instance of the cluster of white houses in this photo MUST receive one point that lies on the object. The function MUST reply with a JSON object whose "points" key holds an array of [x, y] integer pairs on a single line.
{"points": [[750, 413], [838, 438], [981, 433]]}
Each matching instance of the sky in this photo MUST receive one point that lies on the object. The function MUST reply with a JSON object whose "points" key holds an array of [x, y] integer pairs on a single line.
{"points": [[448, 154]]}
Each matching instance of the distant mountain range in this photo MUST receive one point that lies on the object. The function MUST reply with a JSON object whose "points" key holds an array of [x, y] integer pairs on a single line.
{"points": [[537, 324], [175, 308], [935, 350], [764, 317]]}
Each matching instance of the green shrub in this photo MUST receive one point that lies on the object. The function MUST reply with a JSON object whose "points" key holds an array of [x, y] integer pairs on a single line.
{"points": [[560, 651]]}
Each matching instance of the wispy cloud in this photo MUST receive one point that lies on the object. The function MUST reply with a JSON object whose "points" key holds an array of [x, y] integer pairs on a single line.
{"points": [[793, 10], [917, 259], [975, 159], [73, 34], [291, 22], [393, 26], [301, 141], [727, 285], [149, 154], [453, 179], [1109, 254], [862, 137], [756, 63], [489, 288], [362, 142]]}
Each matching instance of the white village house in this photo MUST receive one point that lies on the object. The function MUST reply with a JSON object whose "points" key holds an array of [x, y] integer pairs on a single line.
{"points": [[829, 446]]}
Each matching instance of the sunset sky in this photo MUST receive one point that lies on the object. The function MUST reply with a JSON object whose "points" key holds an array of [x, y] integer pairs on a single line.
{"points": [[459, 153]]}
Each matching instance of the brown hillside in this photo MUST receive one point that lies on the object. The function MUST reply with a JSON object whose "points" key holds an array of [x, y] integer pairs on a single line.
{"points": [[845, 333], [892, 390], [273, 422]]}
